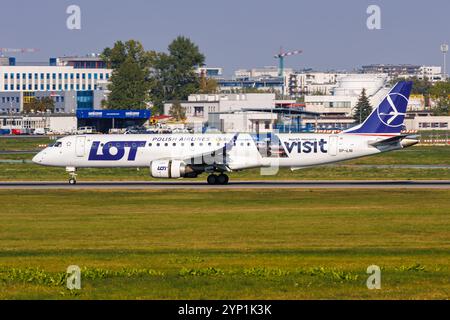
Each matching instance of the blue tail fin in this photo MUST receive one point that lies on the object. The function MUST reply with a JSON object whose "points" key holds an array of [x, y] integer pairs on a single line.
{"points": [[389, 115]]}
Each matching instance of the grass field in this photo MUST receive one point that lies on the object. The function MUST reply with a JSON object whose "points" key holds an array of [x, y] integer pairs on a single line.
{"points": [[233, 244], [24, 143]]}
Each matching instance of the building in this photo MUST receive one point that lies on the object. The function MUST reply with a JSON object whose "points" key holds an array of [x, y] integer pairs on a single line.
{"points": [[74, 83], [104, 120], [432, 73], [424, 122], [259, 73], [56, 123], [393, 70], [242, 121], [307, 83], [198, 106], [210, 72], [264, 79], [262, 84]]}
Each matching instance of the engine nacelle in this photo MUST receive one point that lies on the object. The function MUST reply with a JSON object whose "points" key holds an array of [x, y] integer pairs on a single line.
{"points": [[169, 169]]}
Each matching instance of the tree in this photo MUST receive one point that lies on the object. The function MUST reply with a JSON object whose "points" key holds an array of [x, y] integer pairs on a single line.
{"points": [[208, 85], [39, 105], [174, 73], [363, 108], [177, 111], [441, 94], [129, 88], [129, 82]]}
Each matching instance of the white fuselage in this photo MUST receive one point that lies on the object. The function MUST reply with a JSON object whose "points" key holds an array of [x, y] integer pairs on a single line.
{"points": [[242, 150]]}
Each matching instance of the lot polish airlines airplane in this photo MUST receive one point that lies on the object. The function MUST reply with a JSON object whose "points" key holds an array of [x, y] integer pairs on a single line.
{"points": [[189, 155]]}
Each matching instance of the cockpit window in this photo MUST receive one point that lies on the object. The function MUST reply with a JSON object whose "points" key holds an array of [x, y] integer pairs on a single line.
{"points": [[57, 144]]}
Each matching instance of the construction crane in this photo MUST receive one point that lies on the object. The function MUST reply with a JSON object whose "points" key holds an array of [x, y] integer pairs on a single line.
{"points": [[280, 56]]}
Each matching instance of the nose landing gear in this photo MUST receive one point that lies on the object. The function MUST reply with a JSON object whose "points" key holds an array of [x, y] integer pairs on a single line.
{"points": [[217, 179], [72, 174]]}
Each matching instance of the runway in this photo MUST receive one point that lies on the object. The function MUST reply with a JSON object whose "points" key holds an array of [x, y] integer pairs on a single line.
{"points": [[237, 184]]}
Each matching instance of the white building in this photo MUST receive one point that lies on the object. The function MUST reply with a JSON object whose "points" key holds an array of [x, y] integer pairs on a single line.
{"points": [[198, 106], [258, 73], [433, 73], [51, 78], [239, 121], [428, 123], [346, 93], [210, 72], [58, 124], [311, 83]]}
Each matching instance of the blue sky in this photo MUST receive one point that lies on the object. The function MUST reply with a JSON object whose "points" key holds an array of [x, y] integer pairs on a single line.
{"points": [[237, 34]]}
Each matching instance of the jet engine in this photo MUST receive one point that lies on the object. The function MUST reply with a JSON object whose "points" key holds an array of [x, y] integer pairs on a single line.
{"points": [[170, 169]]}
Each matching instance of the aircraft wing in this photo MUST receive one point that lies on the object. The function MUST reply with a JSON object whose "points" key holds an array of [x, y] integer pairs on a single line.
{"points": [[218, 157]]}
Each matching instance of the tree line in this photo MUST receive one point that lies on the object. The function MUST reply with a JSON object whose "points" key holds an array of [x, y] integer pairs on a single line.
{"points": [[141, 76]]}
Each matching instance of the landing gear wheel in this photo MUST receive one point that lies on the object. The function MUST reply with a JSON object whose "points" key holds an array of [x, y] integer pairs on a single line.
{"points": [[212, 179], [222, 179], [72, 174]]}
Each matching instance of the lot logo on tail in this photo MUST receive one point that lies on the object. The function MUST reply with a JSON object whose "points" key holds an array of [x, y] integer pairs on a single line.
{"points": [[388, 113], [114, 150]]}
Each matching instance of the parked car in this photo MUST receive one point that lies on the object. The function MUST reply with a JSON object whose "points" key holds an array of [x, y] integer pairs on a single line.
{"points": [[40, 131], [86, 130]]}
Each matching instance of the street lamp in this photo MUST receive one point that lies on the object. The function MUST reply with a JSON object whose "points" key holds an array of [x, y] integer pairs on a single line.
{"points": [[444, 50]]}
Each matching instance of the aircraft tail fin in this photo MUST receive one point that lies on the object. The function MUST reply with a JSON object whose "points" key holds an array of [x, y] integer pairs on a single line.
{"points": [[389, 115]]}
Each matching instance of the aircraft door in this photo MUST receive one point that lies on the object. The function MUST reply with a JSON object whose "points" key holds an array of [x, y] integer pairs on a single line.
{"points": [[80, 146], [333, 145]]}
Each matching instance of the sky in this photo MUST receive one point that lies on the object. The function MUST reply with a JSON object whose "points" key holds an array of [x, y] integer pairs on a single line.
{"points": [[236, 34]]}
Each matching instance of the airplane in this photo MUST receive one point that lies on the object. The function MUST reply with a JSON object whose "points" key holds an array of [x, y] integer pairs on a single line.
{"points": [[175, 156]]}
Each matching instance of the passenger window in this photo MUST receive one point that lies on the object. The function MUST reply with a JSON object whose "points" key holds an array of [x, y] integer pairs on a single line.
{"points": [[192, 144], [150, 144], [165, 144], [174, 144], [158, 144]]}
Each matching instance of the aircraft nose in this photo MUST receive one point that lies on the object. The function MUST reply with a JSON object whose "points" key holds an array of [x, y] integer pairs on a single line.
{"points": [[38, 158]]}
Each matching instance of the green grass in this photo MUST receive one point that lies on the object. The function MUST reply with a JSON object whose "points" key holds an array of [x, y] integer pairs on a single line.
{"points": [[31, 172], [23, 143], [252, 244]]}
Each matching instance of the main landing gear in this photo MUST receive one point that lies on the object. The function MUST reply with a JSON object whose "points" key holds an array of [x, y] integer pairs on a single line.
{"points": [[218, 179], [72, 174]]}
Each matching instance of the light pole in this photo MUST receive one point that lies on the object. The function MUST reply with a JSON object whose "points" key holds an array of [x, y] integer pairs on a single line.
{"points": [[444, 50]]}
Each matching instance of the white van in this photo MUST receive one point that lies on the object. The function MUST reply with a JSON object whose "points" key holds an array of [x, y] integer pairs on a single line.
{"points": [[86, 130]]}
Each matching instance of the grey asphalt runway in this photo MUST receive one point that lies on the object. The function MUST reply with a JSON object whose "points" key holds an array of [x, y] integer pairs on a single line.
{"points": [[239, 184]]}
